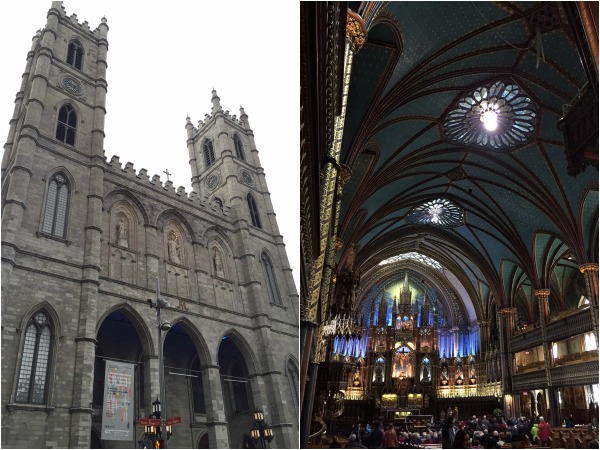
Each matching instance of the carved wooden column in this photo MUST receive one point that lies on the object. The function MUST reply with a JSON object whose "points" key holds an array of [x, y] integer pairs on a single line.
{"points": [[506, 327], [355, 34]]}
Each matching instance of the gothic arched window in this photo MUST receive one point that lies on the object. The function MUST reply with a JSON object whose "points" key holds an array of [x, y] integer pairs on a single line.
{"points": [[239, 148], [57, 202], [293, 376], [31, 385], [209, 153], [75, 54], [272, 289], [253, 211], [67, 124]]}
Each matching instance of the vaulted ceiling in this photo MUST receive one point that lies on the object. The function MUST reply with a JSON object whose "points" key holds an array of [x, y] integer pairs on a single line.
{"points": [[496, 209]]}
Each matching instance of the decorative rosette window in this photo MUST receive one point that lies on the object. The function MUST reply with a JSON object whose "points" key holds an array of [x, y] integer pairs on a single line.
{"points": [[498, 116], [440, 212]]}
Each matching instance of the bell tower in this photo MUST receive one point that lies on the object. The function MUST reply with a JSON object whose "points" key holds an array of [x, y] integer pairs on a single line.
{"points": [[53, 178], [57, 127], [226, 170]]}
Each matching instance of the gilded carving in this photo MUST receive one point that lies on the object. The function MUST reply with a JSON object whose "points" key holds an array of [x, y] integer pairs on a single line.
{"points": [[355, 30], [589, 267]]}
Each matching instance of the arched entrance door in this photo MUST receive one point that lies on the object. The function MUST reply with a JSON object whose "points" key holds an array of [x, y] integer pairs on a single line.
{"points": [[118, 340], [203, 442], [185, 385], [237, 391]]}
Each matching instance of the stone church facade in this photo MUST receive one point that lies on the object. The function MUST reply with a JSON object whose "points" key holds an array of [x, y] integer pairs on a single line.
{"points": [[86, 240]]}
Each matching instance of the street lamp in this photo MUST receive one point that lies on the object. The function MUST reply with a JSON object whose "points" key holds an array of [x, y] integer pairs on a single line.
{"points": [[162, 325], [260, 429]]}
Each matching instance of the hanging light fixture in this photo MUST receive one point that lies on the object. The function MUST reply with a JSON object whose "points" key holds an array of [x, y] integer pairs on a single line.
{"points": [[490, 119]]}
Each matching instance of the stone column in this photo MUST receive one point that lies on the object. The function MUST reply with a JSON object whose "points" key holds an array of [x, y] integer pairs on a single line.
{"points": [[216, 421], [8, 147], [355, 34], [590, 272], [26, 145], [542, 296], [484, 334], [151, 383], [455, 340], [506, 326], [152, 257], [192, 155]]}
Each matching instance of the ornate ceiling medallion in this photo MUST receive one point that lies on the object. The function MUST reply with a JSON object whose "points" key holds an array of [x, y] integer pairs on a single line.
{"points": [[440, 212], [499, 117]]}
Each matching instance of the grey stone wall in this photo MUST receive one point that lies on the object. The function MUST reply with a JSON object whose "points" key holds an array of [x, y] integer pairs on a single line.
{"points": [[83, 278]]}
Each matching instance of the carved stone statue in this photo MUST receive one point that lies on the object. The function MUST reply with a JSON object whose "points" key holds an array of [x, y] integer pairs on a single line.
{"points": [[122, 234], [425, 373], [444, 373], [218, 262], [174, 255]]}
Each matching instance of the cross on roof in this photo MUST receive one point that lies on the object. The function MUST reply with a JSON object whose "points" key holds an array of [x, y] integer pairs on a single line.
{"points": [[167, 173]]}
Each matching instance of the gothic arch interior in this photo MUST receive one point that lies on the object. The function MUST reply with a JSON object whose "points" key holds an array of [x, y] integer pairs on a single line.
{"points": [[449, 216]]}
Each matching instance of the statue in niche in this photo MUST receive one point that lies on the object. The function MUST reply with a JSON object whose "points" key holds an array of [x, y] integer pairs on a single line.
{"points": [[459, 375], [444, 375], [356, 379], [350, 258], [122, 233], [425, 373], [174, 251], [378, 374], [218, 264]]}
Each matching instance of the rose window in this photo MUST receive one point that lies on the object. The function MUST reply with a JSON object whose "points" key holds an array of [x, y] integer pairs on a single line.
{"points": [[499, 116], [440, 212]]}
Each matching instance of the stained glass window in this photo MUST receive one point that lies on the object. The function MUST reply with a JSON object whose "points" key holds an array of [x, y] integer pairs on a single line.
{"points": [[57, 202], [293, 376], [272, 289], [440, 212], [496, 116], [31, 385]]}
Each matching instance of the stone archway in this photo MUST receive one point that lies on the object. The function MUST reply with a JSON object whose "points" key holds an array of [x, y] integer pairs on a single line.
{"points": [[237, 390], [186, 385], [118, 340], [203, 441]]}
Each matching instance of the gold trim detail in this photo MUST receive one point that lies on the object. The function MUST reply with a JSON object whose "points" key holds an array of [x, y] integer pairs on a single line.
{"points": [[355, 30], [589, 267]]}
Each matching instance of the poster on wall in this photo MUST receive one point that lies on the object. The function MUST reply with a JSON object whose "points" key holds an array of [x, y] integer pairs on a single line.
{"points": [[117, 416]]}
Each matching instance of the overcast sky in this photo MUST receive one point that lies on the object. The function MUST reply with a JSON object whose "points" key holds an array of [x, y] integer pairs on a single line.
{"points": [[164, 59]]}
